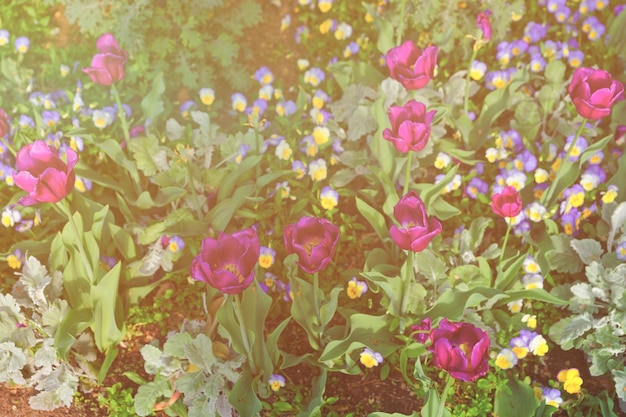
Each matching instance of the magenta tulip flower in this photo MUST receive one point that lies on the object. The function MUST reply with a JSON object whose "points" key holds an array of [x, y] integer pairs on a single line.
{"points": [[508, 203], [410, 126], [422, 331], [416, 229], [107, 67], [411, 66], [314, 240], [461, 349], [43, 174], [594, 92], [227, 263], [483, 22]]}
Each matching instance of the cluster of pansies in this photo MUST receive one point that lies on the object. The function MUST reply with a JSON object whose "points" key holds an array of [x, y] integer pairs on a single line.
{"points": [[21, 43], [535, 49]]}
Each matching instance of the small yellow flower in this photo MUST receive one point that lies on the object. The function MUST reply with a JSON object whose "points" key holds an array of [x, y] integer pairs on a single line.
{"points": [[506, 359], [571, 380]]}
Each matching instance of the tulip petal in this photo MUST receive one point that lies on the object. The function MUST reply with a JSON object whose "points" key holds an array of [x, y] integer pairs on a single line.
{"points": [[25, 180], [51, 186]]}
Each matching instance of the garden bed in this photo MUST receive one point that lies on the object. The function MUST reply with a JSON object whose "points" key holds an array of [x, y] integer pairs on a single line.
{"points": [[313, 207]]}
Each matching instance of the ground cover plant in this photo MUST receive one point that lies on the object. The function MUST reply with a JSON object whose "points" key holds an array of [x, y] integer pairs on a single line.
{"points": [[356, 208]]}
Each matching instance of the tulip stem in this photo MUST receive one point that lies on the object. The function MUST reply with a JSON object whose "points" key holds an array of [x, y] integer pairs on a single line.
{"points": [[506, 238], [407, 174], [406, 287], [121, 113], [547, 196], [467, 83], [444, 397], [401, 26], [244, 331], [316, 302], [64, 207], [9, 147]]}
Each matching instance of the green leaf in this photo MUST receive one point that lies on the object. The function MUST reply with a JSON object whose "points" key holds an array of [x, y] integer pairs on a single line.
{"points": [[148, 154], [619, 376], [148, 394], [385, 39], [589, 250], [243, 397], [108, 325], [151, 104], [363, 331], [515, 399], [555, 71], [576, 327], [374, 218], [200, 352], [618, 219]]}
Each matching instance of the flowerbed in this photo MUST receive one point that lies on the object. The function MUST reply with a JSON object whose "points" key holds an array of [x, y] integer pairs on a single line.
{"points": [[441, 210]]}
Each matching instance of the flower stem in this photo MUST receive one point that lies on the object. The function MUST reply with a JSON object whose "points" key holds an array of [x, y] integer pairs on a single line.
{"points": [[121, 113], [548, 194], [444, 396], [316, 303], [9, 147], [64, 207], [406, 287], [407, 174], [244, 331], [467, 82], [401, 27], [506, 239]]}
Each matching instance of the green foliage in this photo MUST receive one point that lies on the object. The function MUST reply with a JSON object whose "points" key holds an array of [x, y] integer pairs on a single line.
{"points": [[187, 363], [30, 320], [119, 401], [598, 309], [196, 43]]}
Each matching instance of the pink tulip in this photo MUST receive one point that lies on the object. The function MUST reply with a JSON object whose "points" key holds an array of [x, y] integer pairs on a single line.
{"points": [[314, 240], [43, 174], [227, 263], [594, 92], [508, 203], [107, 67], [410, 126], [461, 349], [484, 24], [416, 228], [411, 66]]}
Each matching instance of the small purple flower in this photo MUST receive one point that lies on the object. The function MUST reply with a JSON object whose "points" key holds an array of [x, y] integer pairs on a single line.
{"points": [[264, 76], [575, 58], [475, 187], [22, 44], [534, 32]]}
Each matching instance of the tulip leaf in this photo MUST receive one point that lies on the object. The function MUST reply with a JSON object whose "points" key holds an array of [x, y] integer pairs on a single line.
{"points": [[453, 302], [506, 277], [593, 148], [151, 104], [108, 326], [374, 218], [515, 399], [364, 330], [221, 214], [243, 397]]}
